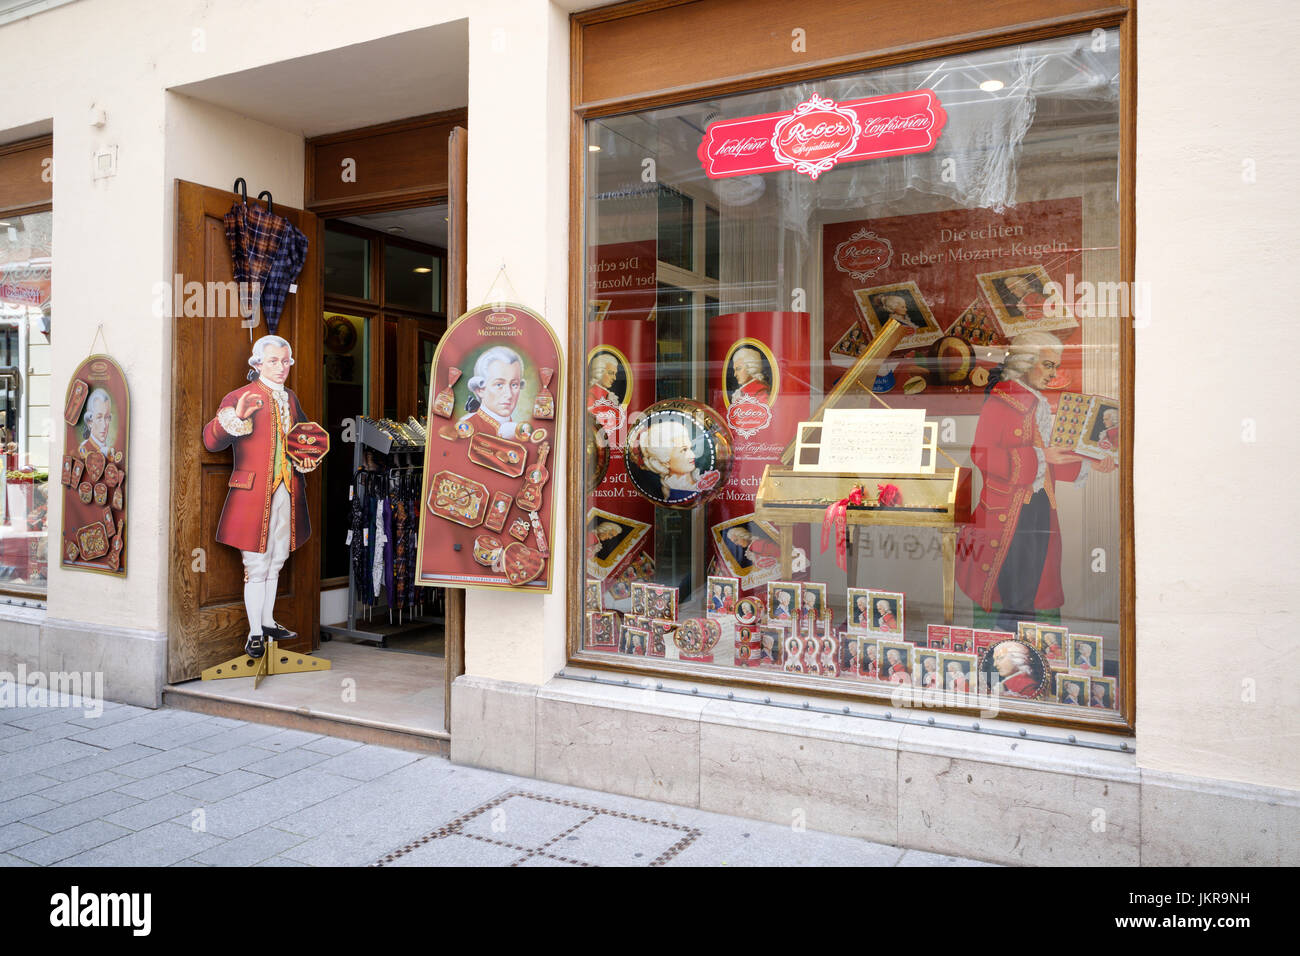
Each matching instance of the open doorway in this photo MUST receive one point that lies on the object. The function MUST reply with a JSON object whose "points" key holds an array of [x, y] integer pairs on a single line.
{"points": [[385, 295]]}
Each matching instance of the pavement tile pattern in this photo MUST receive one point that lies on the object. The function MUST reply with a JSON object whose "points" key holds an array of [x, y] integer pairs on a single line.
{"points": [[550, 846], [89, 783]]}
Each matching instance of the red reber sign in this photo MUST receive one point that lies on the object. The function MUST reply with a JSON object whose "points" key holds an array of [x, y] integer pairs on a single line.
{"points": [[819, 133]]}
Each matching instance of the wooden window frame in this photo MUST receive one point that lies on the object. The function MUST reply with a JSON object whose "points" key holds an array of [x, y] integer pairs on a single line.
{"points": [[1037, 20]]}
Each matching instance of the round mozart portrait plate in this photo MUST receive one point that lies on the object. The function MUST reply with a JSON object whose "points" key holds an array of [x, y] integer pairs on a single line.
{"points": [[1014, 669], [679, 454]]}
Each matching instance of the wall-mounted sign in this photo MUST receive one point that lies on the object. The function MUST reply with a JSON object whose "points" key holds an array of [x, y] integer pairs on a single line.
{"points": [[485, 511], [96, 418], [820, 133]]}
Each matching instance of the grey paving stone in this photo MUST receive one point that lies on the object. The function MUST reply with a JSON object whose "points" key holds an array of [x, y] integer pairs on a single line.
{"points": [[98, 760], [50, 849], [178, 778], [189, 862], [35, 719], [17, 833], [364, 824], [922, 858], [281, 764], [81, 811], [729, 841], [251, 848], [186, 735], [224, 785], [232, 759], [146, 814], [457, 850], [21, 786], [23, 808], [368, 762], [160, 845], [410, 801], [332, 745], [70, 791], [113, 714], [43, 757], [524, 822], [613, 841], [160, 762], [7, 860], [26, 739], [6, 730], [287, 739], [280, 861], [272, 801], [235, 737], [138, 729]]}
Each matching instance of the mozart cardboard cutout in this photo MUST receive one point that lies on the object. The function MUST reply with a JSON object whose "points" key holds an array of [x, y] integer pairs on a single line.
{"points": [[273, 448], [489, 452]]}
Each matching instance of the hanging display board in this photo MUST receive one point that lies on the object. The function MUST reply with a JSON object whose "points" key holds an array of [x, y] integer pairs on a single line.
{"points": [[95, 467], [486, 505]]}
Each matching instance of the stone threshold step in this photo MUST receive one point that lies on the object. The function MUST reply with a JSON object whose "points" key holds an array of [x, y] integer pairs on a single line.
{"points": [[202, 701]]}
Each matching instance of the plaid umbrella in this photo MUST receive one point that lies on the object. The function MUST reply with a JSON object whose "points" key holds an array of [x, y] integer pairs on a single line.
{"points": [[267, 252]]}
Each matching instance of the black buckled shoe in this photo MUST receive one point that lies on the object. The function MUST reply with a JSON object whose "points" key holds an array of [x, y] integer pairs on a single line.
{"points": [[255, 646], [274, 632]]}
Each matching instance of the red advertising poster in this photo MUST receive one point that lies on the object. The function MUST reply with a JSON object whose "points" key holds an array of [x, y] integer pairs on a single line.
{"points": [[621, 281], [819, 133], [620, 384], [973, 274], [758, 375], [485, 509]]}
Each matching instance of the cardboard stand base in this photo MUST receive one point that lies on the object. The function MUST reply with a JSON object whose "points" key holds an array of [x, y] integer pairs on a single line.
{"points": [[273, 661]]}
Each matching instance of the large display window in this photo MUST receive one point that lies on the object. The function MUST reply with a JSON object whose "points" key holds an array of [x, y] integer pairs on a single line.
{"points": [[853, 352]]}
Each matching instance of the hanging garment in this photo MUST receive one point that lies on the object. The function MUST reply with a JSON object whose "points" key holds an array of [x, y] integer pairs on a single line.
{"points": [[377, 541], [283, 272], [356, 532]]}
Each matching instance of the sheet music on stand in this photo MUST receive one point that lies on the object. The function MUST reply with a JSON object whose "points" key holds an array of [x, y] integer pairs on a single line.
{"points": [[867, 441]]}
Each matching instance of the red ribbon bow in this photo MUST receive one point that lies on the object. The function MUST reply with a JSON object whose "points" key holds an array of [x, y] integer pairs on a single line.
{"points": [[837, 516]]}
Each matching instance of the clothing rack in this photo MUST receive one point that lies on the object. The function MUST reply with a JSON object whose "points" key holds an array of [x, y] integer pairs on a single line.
{"points": [[402, 446]]}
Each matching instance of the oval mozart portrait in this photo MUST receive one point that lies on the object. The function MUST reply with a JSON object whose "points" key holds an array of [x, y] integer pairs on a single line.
{"points": [[609, 377], [750, 371]]}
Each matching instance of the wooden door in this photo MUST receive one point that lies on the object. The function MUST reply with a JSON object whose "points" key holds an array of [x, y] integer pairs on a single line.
{"points": [[210, 358], [457, 179]]}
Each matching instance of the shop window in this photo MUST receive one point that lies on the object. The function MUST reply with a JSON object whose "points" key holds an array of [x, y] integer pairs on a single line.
{"points": [[412, 279], [924, 259], [347, 264]]}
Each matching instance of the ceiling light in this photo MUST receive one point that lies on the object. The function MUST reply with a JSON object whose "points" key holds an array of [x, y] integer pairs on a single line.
{"points": [[593, 148], [395, 230], [422, 269], [991, 86]]}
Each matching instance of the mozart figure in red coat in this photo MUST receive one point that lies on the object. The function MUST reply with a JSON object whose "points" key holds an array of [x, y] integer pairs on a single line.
{"points": [[1009, 555], [265, 515]]}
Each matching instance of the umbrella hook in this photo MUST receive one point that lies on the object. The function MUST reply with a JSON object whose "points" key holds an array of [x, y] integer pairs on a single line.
{"points": [[241, 188], [266, 194]]}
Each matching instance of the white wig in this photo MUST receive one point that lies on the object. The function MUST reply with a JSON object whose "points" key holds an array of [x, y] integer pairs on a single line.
{"points": [[658, 441], [98, 397], [259, 349], [603, 360], [478, 380], [1025, 350], [1019, 653]]}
